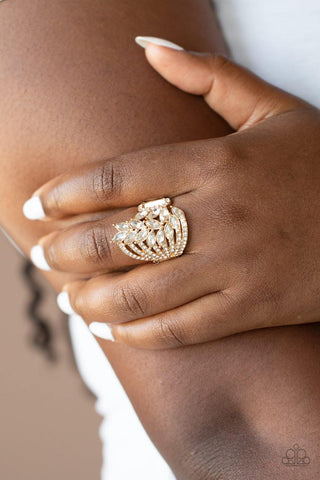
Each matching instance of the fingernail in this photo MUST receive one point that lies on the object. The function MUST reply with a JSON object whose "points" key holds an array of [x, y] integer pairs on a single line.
{"points": [[33, 209], [101, 330], [38, 258], [64, 304], [143, 42]]}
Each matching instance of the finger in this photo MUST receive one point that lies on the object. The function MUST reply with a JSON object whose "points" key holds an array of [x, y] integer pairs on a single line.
{"points": [[234, 92], [144, 291], [202, 320], [86, 247], [119, 182], [106, 245]]}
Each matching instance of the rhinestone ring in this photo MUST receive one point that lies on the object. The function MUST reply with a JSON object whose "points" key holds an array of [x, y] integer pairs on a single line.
{"points": [[158, 231]]}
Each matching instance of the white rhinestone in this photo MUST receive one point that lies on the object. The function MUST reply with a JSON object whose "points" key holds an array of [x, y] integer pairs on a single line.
{"points": [[174, 222], [142, 235], [119, 236], [153, 224], [168, 230], [164, 213], [137, 224], [123, 226], [151, 239], [140, 215], [160, 237], [154, 203], [130, 237], [154, 212], [178, 212]]}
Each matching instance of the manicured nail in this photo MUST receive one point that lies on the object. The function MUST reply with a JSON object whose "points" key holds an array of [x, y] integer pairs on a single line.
{"points": [[38, 258], [143, 42], [64, 304], [101, 330], [33, 209]]}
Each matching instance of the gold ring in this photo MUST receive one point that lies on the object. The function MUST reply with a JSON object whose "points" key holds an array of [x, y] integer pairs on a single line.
{"points": [[158, 231]]}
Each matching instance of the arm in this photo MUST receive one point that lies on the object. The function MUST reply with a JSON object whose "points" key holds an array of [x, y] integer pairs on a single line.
{"points": [[67, 100]]}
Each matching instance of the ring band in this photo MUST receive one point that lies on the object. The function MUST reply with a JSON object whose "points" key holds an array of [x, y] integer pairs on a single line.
{"points": [[158, 231]]}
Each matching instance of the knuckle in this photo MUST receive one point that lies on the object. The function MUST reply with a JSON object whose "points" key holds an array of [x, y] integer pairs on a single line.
{"points": [[223, 71], [130, 301], [96, 246], [219, 62], [107, 182], [223, 159], [169, 333], [230, 305], [227, 154]]}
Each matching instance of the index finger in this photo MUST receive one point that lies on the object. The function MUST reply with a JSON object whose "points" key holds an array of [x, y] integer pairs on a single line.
{"points": [[122, 181]]}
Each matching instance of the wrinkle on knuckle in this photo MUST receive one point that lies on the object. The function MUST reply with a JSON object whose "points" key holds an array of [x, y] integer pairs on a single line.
{"points": [[225, 73], [106, 182], [232, 305], [219, 62], [96, 245], [168, 333], [130, 301], [220, 68]]}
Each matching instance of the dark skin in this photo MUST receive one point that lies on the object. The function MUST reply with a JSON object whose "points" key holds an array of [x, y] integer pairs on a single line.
{"points": [[241, 193], [201, 405]]}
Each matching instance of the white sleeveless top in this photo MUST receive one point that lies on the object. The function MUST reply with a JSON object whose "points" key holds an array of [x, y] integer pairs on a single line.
{"points": [[279, 40]]}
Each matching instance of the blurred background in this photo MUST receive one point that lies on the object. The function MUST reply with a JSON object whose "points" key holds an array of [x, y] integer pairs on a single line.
{"points": [[47, 417]]}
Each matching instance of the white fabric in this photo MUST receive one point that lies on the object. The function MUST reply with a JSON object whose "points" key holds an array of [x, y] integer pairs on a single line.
{"points": [[279, 40], [127, 451]]}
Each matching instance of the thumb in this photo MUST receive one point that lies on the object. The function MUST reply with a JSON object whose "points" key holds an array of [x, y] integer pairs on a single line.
{"points": [[235, 93]]}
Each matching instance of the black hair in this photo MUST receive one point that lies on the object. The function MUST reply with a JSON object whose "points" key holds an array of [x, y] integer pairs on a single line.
{"points": [[42, 336]]}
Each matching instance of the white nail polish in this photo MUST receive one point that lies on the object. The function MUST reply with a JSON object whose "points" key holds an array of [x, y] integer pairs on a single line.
{"points": [[38, 258], [143, 42], [33, 209], [64, 304], [101, 330]]}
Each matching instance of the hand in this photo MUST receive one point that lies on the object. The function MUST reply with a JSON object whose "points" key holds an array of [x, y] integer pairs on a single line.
{"points": [[251, 200]]}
